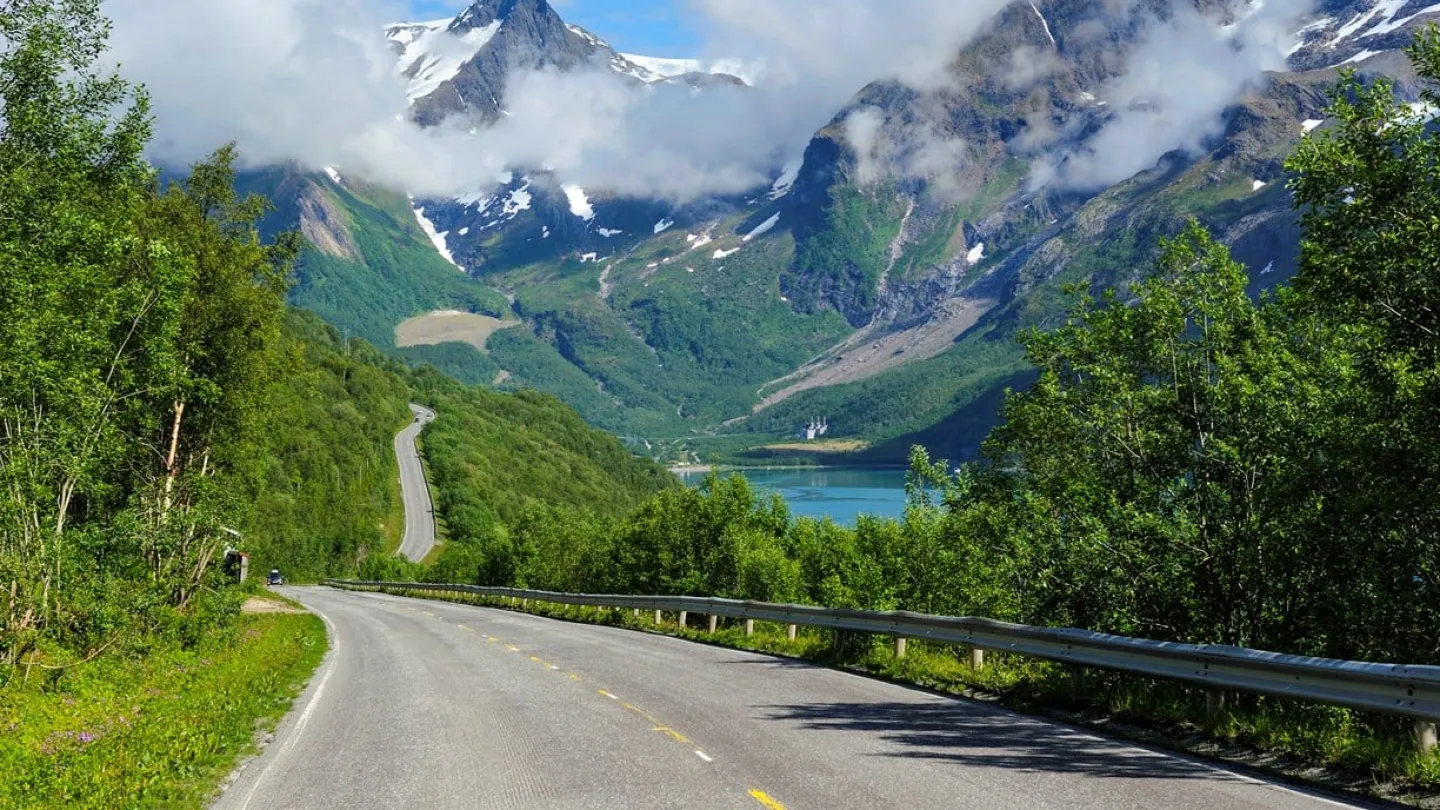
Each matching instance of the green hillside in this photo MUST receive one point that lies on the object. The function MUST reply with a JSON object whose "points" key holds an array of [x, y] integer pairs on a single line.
{"points": [[379, 268], [328, 499]]}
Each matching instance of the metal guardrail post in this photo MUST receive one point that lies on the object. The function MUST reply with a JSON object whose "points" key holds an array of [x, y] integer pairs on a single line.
{"points": [[1425, 738], [659, 617], [714, 623], [899, 646], [1214, 705], [684, 618], [790, 632], [749, 627], [977, 658]]}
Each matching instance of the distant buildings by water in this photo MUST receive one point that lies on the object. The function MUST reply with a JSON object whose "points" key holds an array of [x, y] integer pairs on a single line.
{"points": [[817, 428]]}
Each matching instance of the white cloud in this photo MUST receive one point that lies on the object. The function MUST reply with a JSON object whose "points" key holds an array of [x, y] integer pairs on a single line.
{"points": [[1173, 91], [314, 81]]}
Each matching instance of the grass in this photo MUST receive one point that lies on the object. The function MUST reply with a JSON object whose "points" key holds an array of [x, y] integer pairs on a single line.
{"points": [[1363, 752], [393, 528], [158, 732], [442, 529]]}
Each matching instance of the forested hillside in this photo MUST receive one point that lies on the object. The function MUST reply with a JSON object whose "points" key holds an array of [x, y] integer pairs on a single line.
{"points": [[159, 404]]}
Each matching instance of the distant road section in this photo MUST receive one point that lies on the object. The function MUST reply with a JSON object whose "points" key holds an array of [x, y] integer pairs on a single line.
{"points": [[419, 511]]}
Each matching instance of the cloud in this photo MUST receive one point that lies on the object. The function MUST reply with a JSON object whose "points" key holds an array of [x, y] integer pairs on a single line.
{"points": [[314, 81], [1173, 90]]}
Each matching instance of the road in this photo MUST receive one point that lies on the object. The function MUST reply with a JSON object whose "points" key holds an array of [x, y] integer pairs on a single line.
{"points": [[433, 705], [419, 512]]}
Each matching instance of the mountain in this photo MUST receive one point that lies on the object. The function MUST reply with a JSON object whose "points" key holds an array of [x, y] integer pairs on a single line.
{"points": [[464, 65], [880, 285]]}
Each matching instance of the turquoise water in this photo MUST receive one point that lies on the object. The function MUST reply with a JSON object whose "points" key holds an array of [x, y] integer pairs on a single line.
{"points": [[841, 495]]}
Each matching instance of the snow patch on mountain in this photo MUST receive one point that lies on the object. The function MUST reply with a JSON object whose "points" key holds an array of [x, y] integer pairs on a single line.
{"points": [[1394, 24], [663, 226], [519, 201], [1359, 57], [333, 175], [976, 253], [1045, 23], [788, 175], [764, 228], [1309, 124], [724, 254], [579, 204], [436, 238], [659, 68], [431, 54]]}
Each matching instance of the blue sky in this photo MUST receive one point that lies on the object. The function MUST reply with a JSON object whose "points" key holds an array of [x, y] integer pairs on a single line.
{"points": [[649, 27]]}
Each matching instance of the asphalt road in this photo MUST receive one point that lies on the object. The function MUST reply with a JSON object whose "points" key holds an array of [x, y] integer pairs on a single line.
{"points": [[430, 705], [419, 512]]}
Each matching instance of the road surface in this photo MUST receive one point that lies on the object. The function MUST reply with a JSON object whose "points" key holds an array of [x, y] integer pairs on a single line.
{"points": [[419, 512], [425, 704]]}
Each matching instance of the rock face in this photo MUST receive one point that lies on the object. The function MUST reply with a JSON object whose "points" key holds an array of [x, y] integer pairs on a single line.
{"points": [[324, 226], [1031, 85], [527, 35]]}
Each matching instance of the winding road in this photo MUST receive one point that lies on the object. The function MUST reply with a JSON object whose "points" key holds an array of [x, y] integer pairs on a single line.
{"points": [[424, 704], [419, 512]]}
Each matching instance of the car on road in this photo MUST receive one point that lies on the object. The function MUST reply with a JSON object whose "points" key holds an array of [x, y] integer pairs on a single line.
{"points": [[274, 578]]}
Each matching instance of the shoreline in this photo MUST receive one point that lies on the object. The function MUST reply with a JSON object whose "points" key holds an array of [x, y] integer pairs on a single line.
{"points": [[696, 469]]}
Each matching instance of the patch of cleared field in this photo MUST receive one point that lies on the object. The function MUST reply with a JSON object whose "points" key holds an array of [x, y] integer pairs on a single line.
{"points": [[449, 326], [867, 354], [828, 446]]}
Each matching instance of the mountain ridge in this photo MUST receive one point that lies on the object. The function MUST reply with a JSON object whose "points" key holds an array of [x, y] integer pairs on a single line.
{"points": [[704, 311]]}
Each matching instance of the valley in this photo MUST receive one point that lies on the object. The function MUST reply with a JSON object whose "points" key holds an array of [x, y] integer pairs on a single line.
{"points": [[879, 280]]}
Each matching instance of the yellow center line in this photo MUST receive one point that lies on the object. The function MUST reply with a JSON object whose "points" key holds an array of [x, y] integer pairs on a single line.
{"points": [[765, 800], [573, 676], [463, 627], [512, 648], [673, 734]]}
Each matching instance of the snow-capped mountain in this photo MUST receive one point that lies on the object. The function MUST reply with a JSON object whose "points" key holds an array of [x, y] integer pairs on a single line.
{"points": [[463, 65], [1347, 32]]}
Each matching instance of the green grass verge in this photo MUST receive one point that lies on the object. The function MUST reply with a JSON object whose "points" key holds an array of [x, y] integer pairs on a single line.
{"points": [[1358, 752], [159, 732]]}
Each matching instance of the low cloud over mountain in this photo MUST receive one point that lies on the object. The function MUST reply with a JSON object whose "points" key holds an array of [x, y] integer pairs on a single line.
{"points": [[316, 81]]}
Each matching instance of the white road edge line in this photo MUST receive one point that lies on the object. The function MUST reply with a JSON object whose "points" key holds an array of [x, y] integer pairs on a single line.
{"points": [[1218, 767], [305, 714], [703, 755]]}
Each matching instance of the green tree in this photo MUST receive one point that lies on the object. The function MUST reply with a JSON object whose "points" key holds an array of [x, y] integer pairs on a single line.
{"points": [[1369, 189], [71, 177], [1154, 470]]}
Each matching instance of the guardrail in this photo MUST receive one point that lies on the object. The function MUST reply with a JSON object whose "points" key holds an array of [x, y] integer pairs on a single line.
{"points": [[1399, 689]]}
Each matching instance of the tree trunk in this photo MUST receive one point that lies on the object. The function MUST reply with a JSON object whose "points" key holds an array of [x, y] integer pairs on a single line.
{"points": [[172, 468]]}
